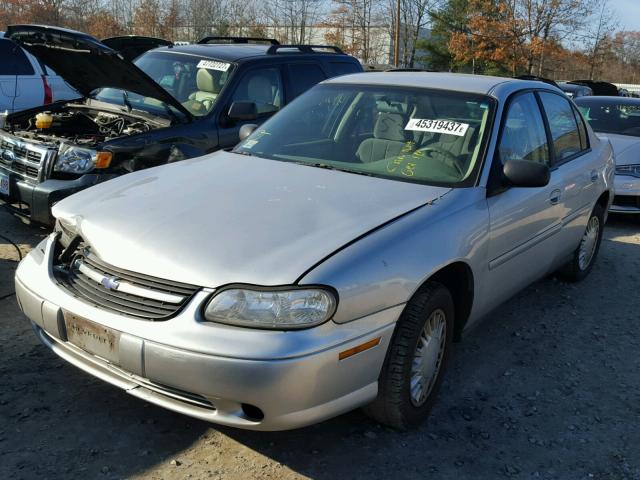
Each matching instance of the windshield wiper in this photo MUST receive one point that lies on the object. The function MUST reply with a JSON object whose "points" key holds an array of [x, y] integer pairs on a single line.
{"points": [[326, 166]]}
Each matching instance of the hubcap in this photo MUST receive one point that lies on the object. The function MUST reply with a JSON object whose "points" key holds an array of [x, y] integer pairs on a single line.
{"points": [[427, 357], [588, 243]]}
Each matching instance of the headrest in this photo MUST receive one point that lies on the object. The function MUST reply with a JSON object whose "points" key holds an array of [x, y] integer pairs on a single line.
{"points": [[205, 81], [390, 126], [259, 89]]}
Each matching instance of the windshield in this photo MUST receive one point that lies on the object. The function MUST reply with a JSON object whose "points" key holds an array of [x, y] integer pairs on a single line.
{"points": [[194, 81], [609, 116], [409, 134]]}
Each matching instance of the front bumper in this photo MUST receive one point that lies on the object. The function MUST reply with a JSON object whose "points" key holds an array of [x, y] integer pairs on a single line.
{"points": [[627, 195], [212, 372], [40, 197]]}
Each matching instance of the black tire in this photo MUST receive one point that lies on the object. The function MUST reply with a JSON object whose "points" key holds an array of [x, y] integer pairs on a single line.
{"points": [[394, 406], [572, 271]]}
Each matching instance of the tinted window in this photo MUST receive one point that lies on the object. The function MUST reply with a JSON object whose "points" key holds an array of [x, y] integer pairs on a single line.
{"points": [[563, 126], [344, 68], [304, 76], [14, 61], [612, 116], [262, 86], [523, 134]]}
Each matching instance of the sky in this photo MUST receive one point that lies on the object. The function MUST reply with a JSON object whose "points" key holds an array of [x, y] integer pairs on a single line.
{"points": [[628, 13]]}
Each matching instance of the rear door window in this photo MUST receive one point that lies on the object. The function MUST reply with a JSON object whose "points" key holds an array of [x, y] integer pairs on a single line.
{"points": [[14, 61], [304, 76], [563, 126], [582, 130]]}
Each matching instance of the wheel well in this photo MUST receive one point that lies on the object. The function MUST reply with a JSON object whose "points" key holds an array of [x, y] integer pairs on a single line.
{"points": [[458, 279], [603, 201]]}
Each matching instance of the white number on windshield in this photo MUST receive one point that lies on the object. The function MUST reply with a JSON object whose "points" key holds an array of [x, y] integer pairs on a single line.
{"points": [[437, 126]]}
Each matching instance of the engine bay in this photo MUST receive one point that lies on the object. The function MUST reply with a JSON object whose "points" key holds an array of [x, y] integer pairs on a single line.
{"points": [[79, 126]]}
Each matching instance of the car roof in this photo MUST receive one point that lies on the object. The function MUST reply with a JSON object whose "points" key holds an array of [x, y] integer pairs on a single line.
{"points": [[461, 82], [233, 52]]}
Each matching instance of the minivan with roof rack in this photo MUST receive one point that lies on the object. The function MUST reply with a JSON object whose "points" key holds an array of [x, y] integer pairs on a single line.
{"points": [[171, 103]]}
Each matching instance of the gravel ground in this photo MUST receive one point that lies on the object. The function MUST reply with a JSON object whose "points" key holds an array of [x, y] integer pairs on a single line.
{"points": [[548, 387]]}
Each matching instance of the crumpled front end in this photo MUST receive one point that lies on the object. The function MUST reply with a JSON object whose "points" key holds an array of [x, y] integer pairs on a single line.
{"points": [[242, 377]]}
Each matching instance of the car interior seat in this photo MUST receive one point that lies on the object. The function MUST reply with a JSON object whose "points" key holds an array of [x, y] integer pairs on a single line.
{"points": [[208, 89], [389, 138], [264, 92]]}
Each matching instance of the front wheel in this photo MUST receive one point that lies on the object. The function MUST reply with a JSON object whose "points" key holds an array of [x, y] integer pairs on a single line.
{"points": [[414, 367], [585, 255]]}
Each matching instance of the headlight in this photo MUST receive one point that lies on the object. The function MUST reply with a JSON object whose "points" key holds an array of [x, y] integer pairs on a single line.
{"points": [[271, 308], [73, 159], [632, 170]]}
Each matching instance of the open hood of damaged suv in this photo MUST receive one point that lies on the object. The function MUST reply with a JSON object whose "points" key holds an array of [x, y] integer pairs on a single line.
{"points": [[85, 63]]}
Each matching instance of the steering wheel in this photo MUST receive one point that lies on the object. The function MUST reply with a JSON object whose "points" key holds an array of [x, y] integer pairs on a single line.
{"points": [[450, 159]]}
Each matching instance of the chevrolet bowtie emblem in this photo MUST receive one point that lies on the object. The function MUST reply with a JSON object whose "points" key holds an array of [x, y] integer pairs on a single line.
{"points": [[110, 283]]}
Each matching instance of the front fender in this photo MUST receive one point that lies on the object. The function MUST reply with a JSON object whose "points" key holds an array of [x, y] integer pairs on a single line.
{"points": [[386, 267]]}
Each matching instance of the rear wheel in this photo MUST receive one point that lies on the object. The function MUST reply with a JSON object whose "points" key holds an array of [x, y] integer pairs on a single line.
{"points": [[416, 360], [585, 255]]}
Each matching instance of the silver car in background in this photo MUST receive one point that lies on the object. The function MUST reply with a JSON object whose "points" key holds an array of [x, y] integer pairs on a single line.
{"points": [[618, 118], [330, 260]]}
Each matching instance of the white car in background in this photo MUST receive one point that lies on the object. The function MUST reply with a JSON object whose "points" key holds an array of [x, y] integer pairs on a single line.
{"points": [[25, 82], [618, 118]]}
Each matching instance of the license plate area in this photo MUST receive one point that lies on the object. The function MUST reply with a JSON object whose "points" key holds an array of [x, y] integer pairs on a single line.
{"points": [[4, 184], [91, 337]]}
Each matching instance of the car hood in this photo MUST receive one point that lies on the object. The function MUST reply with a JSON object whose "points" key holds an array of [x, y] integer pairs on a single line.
{"points": [[226, 218], [85, 63], [626, 148], [132, 46]]}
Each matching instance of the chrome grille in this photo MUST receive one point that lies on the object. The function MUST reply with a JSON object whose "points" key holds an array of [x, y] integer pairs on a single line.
{"points": [[124, 292], [21, 158]]}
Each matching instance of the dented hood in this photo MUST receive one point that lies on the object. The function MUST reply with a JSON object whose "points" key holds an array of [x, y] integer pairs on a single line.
{"points": [[85, 63], [226, 218]]}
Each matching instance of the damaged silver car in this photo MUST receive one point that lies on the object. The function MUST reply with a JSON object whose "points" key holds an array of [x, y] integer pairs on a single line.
{"points": [[331, 259]]}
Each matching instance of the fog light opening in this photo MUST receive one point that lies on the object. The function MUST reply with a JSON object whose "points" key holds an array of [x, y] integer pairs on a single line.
{"points": [[252, 412]]}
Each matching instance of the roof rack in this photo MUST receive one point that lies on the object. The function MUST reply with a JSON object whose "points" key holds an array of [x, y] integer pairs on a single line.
{"points": [[273, 49], [206, 40]]}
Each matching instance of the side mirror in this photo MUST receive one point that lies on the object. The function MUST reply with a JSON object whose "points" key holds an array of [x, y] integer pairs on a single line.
{"points": [[243, 111], [247, 130], [524, 173]]}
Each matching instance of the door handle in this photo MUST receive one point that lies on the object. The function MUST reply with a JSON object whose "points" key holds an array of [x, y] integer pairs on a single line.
{"points": [[554, 198], [594, 176]]}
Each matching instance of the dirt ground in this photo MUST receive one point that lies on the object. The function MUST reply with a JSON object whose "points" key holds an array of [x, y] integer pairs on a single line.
{"points": [[548, 387]]}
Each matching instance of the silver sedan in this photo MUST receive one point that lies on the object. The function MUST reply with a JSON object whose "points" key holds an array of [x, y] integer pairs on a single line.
{"points": [[331, 259], [618, 119]]}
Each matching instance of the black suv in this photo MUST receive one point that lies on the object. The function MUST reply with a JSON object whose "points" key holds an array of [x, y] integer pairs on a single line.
{"points": [[169, 104]]}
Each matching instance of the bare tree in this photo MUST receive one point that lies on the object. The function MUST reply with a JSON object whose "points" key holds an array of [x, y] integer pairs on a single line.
{"points": [[598, 39], [414, 19]]}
